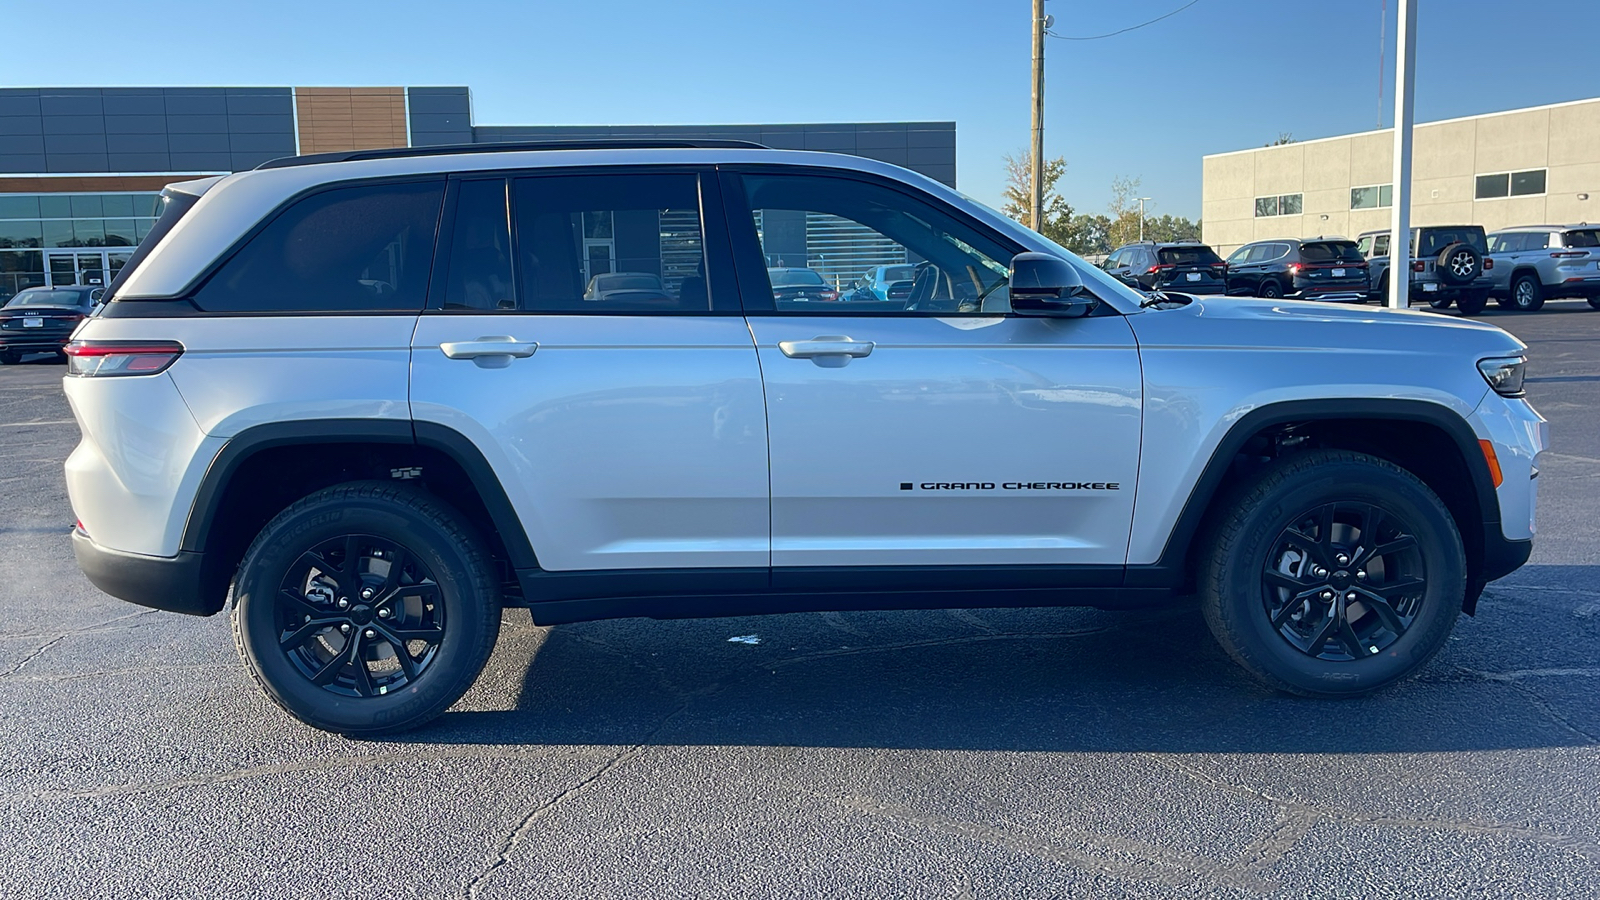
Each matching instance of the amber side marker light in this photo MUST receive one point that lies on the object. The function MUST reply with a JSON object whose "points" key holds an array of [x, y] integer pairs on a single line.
{"points": [[1493, 461]]}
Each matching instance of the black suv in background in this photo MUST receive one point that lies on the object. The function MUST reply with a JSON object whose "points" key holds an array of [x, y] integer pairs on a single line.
{"points": [[1449, 264], [1331, 269], [1187, 266]]}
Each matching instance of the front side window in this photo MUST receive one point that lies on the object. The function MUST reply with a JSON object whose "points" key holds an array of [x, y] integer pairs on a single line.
{"points": [[813, 231], [1505, 243], [625, 243], [1240, 255], [351, 249]]}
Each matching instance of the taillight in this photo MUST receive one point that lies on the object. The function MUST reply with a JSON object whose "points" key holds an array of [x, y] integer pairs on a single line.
{"points": [[1576, 255], [1158, 267], [1418, 265], [830, 295], [1487, 263], [1294, 268], [108, 358]]}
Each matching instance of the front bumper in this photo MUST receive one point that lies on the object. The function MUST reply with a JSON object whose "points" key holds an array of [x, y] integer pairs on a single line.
{"points": [[171, 583]]}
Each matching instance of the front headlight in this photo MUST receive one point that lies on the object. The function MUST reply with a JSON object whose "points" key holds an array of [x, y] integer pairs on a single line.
{"points": [[1504, 374]]}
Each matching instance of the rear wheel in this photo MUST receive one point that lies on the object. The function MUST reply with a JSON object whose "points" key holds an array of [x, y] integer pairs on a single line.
{"points": [[1438, 302], [1333, 574], [366, 608], [1473, 303], [1527, 294], [1594, 300], [1271, 290]]}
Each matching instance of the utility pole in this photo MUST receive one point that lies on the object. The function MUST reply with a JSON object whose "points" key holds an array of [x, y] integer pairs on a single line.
{"points": [[1405, 76], [1036, 158], [1141, 217]]}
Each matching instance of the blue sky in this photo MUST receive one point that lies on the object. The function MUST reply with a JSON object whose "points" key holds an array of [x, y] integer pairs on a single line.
{"points": [[1223, 75]]}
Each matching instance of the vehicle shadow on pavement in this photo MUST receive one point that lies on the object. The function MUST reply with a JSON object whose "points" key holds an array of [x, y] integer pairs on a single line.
{"points": [[1032, 680]]}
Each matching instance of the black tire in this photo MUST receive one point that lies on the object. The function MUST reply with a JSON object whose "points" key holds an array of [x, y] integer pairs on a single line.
{"points": [[1527, 294], [1458, 264], [1438, 302], [1472, 304], [1241, 598], [1382, 292], [1594, 300], [9, 357], [1503, 302], [442, 596], [1270, 290]]}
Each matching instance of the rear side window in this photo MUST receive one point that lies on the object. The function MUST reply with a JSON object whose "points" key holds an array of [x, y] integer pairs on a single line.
{"points": [[576, 232], [479, 275], [351, 249], [1187, 256], [1586, 238], [1330, 251]]}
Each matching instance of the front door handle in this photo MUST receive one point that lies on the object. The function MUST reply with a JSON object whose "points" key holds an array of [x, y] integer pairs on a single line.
{"points": [[493, 351], [831, 351]]}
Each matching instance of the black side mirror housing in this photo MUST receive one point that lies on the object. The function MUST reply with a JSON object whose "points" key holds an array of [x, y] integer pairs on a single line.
{"points": [[1046, 285]]}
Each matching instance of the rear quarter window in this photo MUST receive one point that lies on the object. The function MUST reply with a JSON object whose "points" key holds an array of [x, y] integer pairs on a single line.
{"points": [[351, 249]]}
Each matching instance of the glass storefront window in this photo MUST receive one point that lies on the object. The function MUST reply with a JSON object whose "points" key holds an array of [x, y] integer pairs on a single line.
{"points": [[19, 233], [120, 233], [87, 206], [55, 207], [57, 232], [117, 205], [88, 232], [19, 206]]}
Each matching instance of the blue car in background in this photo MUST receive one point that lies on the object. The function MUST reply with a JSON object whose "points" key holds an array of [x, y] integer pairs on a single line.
{"points": [[881, 283]]}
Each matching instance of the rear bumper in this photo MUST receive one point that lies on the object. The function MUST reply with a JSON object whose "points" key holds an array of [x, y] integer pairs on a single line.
{"points": [[1352, 294], [174, 584], [43, 343]]}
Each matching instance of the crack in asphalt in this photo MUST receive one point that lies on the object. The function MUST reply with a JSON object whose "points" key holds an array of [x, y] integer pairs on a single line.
{"points": [[38, 652], [96, 628], [525, 827], [1584, 849]]}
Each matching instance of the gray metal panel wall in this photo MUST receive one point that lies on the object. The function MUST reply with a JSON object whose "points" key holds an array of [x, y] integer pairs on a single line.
{"points": [[926, 147], [439, 115], [56, 130]]}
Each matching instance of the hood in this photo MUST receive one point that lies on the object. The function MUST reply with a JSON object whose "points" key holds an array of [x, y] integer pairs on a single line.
{"points": [[1292, 324]]}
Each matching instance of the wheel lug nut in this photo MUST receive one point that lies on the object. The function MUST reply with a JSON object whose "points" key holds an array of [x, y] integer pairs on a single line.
{"points": [[1319, 572], [1361, 574], [343, 602], [1341, 559], [1350, 596], [1327, 595], [344, 629], [371, 633], [366, 593], [383, 613]]}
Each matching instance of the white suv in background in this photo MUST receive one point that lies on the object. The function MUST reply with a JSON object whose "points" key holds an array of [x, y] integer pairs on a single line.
{"points": [[369, 394]]}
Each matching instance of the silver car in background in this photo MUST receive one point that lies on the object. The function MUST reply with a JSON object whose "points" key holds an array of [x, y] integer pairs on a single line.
{"points": [[1535, 263]]}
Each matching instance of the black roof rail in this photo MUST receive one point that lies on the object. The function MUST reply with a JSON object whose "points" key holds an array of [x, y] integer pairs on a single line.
{"points": [[284, 162]]}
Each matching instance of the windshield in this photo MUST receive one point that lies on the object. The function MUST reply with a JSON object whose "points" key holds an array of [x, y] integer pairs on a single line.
{"points": [[1188, 256], [1435, 240], [50, 298], [1589, 238], [794, 276], [899, 273], [1331, 251], [628, 282]]}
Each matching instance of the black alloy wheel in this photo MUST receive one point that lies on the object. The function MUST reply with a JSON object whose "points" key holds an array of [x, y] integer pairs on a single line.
{"points": [[1270, 290], [366, 608], [1344, 581], [1331, 573], [360, 616]]}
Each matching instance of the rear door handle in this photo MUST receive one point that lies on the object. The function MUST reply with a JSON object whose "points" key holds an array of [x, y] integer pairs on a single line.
{"points": [[493, 351], [831, 351]]}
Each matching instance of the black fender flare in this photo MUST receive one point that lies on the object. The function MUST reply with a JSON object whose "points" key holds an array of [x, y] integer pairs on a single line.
{"points": [[448, 441], [1171, 567]]}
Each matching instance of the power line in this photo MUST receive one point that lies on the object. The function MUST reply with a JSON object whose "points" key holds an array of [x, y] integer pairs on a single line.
{"points": [[1096, 37]]}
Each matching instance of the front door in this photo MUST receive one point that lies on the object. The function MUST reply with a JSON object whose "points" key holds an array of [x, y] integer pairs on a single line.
{"points": [[939, 430], [627, 427]]}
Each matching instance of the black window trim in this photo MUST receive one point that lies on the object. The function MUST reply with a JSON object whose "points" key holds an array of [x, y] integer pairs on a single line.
{"points": [[747, 246], [713, 237], [182, 302]]}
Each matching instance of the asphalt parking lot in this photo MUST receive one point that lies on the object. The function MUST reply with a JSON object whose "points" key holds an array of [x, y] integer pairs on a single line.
{"points": [[1024, 753]]}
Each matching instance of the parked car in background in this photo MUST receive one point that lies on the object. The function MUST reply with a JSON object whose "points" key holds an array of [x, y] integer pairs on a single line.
{"points": [[1449, 264], [881, 283], [40, 320], [1187, 266], [1535, 263], [790, 285], [1331, 269], [630, 287]]}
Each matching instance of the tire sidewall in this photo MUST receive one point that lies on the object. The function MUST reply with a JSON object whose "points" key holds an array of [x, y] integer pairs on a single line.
{"points": [[1443, 561], [298, 530]]}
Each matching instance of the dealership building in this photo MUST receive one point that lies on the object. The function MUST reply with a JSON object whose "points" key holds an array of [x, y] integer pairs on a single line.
{"points": [[81, 168], [1522, 167]]}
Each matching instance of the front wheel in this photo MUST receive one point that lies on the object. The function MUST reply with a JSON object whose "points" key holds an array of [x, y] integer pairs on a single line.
{"points": [[1333, 574], [1527, 294], [366, 608]]}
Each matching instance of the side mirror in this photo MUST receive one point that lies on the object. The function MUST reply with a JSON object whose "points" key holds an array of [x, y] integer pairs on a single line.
{"points": [[1045, 285]]}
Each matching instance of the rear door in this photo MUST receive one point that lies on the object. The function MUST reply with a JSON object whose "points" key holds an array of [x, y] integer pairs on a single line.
{"points": [[628, 430], [943, 432]]}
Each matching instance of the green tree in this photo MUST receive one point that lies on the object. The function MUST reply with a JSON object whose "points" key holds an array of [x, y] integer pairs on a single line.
{"points": [[1171, 228], [1123, 211], [1017, 200]]}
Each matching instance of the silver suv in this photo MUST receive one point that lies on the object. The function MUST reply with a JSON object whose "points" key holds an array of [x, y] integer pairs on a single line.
{"points": [[366, 397], [1448, 265], [1535, 263]]}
